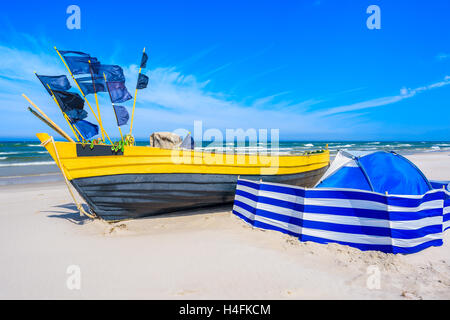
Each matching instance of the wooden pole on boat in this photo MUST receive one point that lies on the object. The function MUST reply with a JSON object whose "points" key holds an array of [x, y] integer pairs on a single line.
{"points": [[65, 115], [61, 131], [110, 97], [134, 101], [81, 91], [96, 99], [37, 115]]}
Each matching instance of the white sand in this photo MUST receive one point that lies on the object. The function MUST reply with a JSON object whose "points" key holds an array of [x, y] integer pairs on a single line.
{"points": [[212, 255]]}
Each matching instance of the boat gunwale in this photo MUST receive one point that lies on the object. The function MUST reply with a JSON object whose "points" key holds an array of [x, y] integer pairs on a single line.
{"points": [[192, 151], [193, 162]]}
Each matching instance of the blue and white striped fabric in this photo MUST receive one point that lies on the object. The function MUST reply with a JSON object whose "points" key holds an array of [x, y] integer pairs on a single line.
{"points": [[361, 219], [444, 185]]}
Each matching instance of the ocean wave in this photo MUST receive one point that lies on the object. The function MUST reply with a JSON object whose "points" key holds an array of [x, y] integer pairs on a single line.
{"points": [[309, 145], [21, 152], [344, 146], [33, 145], [5, 153], [284, 148], [214, 148], [404, 145], [24, 164], [3, 158]]}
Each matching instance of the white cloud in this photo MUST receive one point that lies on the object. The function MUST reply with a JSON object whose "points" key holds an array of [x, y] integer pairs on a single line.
{"points": [[172, 100], [175, 100], [443, 56], [20, 65], [404, 94]]}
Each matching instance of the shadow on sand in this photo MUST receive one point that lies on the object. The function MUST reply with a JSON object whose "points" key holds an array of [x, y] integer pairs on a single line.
{"points": [[73, 216], [76, 218]]}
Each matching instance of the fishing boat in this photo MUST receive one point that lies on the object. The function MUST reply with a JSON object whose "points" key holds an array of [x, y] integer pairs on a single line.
{"points": [[121, 180], [143, 181]]}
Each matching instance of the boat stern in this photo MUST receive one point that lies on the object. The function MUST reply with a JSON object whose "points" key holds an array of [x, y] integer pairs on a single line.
{"points": [[58, 150], [45, 140]]}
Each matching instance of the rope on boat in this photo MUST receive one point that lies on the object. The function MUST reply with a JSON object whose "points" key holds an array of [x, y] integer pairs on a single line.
{"points": [[79, 206]]}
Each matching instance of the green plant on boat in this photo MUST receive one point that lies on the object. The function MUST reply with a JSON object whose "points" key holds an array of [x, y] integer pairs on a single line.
{"points": [[91, 143], [313, 152], [120, 145]]}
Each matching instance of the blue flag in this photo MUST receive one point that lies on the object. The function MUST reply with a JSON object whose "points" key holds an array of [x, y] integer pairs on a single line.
{"points": [[87, 85], [144, 60], [87, 129], [76, 115], [79, 53], [142, 81], [55, 82], [68, 100], [118, 92], [78, 62], [112, 72], [122, 115]]}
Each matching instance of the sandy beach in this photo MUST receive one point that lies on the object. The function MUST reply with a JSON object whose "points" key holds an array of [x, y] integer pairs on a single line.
{"points": [[206, 254]]}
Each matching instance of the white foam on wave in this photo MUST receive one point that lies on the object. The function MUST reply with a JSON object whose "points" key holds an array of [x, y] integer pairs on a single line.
{"points": [[344, 146], [24, 164], [309, 145], [21, 152], [33, 145], [404, 145], [4, 153], [3, 158]]}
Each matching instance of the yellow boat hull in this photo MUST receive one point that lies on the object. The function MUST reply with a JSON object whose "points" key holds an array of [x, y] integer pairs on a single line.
{"points": [[142, 181]]}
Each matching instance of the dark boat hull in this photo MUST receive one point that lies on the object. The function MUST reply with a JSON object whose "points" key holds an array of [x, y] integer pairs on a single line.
{"points": [[129, 196]]}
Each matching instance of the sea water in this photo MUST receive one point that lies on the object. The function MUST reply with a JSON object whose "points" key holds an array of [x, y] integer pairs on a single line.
{"points": [[29, 158]]}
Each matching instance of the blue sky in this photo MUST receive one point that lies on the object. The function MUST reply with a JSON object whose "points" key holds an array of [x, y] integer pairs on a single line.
{"points": [[310, 68]]}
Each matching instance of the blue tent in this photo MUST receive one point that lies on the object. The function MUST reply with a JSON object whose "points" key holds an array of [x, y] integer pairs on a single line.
{"points": [[377, 171]]}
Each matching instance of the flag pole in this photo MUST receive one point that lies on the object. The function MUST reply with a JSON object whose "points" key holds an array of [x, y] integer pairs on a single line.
{"points": [[65, 115], [134, 102], [81, 91], [75, 127], [96, 99], [65, 135], [106, 83]]}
